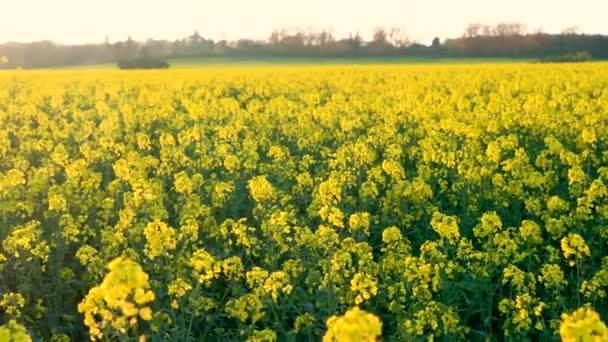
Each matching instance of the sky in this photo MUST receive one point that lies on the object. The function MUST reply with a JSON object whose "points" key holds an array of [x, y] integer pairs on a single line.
{"points": [[90, 21]]}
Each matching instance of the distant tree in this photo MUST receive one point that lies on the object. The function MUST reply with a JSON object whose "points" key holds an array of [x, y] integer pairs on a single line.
{"points": [[436, 43], [572, 30], [380, 36], [397, 37], [510, 29], [473, 30], [128, 49], [195, 38], [478, 40], [487, 30], [310, 37], [539, 31], [355, 40], [275, 37], [326, 37]]}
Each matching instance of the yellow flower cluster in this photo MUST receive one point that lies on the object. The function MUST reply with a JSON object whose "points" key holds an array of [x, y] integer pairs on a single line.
{"points": [[584, 324], [26, 242], [446, 227], [574, 246], [359, 222], [462, 202], [122, 297], [14, 332], [261, 189], [265, 335], [12, 303], [354, 325], [205, 266], [160, 238], [248, 308], [364, 286], [277, 282], [183, 183]]}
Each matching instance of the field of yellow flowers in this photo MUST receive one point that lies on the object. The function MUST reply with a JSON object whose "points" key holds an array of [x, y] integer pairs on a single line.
{"points": [[343, 203]]}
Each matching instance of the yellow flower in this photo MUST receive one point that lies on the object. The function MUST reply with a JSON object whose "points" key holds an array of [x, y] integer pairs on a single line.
{"points": [[277, 153], [277, 281], [12, 303], [354, 326], [265, 335], [27, 242], [393, 169], [178, 288], [446, 226], [589, 136], [246, 308], [576, 175], [145, 314], [189, 230], [552, 276], [205, 266], [330, 191], [183, 184], [256, 276], [15, 177], [231, 163], [556, 204], [303, 321], [530, 231], [14, 332], [359, 222], [391, 234], [261, 189], [364, 286], [143, 141], [160, 238], [57, 202], [332, 215], [233, 267], [584, 324], [113, 305], [493, 152], [490, 224], [574, 245]]}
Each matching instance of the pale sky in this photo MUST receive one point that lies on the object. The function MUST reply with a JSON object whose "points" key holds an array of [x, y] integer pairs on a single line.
{"points": [[79, 21]]}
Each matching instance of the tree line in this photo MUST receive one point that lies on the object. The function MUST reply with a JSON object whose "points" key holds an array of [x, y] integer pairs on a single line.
{"points": [[505, 40]]}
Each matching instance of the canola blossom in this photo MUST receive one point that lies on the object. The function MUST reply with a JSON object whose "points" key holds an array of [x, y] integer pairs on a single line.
{"points": [[335, 203]]}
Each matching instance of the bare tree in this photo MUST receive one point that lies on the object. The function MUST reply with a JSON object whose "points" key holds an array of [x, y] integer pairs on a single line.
{"points": [[473, 30], [398, 37], [539, 31], [354, 41], [502, 29], [380, 36], [571, 30], [326, 37], [488, 30], [517, 29], [311, 36]]}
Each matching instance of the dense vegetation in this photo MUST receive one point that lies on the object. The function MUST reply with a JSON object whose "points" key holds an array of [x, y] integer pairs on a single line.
{"points": [[143, 63], [578, 57], [506, 40], [444, 202]]}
